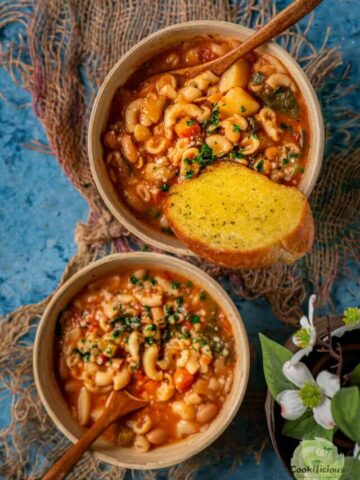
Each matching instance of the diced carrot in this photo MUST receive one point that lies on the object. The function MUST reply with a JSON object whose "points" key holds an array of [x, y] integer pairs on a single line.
{"points": [[151, 387], [139, 376], [183, 379], [187, 127]]}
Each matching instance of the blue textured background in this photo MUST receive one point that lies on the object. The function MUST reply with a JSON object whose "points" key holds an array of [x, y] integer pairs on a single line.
{"points": [[39, 209]]}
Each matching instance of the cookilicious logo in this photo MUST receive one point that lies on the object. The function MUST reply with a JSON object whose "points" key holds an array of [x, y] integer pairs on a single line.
{"points": [[317, 459]]}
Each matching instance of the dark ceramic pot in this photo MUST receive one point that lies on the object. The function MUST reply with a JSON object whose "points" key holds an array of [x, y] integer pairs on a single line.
{"points": [[350, 344]]}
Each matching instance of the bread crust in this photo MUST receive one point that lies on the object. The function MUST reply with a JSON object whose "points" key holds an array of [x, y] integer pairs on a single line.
{"points": [[293, 246]]}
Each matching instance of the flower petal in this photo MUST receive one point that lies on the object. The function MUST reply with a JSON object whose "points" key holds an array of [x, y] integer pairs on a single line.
{"points": [[297, 373], [291, 404], [312, 300], [300, 354], [328, 382], [313, 336], [323, 416], [339, 332], [357, 451], [304, 322]]}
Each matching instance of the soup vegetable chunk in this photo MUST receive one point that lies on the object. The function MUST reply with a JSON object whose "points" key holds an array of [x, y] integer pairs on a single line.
{"points": [[166, 129], [159, 336]]}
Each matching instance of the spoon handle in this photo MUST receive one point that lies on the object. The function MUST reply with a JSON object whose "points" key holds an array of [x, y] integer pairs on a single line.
{"points": [[278, 24], [73, 455]]}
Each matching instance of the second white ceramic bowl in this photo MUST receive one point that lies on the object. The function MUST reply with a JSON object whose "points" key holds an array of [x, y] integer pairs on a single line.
{"points": [[120, 73], [54, 402]]}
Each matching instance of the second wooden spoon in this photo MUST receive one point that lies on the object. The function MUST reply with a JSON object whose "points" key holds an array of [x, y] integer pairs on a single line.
{"points": [[281, 22], [118, 404]]}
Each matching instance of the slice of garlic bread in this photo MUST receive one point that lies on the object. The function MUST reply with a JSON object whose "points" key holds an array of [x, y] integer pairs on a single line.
{"points": [[239, 218]]}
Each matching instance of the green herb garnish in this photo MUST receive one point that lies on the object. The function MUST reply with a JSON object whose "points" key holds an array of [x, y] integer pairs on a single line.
{"points": [[205, 157], [195, 319], [259, 165], [257, 78]]}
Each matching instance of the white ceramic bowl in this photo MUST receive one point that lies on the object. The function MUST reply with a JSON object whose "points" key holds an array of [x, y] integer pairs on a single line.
{"points": [[54, 402], [144, 50]]}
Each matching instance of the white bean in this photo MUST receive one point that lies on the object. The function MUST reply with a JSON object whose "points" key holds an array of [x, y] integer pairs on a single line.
{"points": [[158, 436], [206, 413]]}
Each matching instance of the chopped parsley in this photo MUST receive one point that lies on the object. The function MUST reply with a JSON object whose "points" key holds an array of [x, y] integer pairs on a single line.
{"points": [[134, 280], [190, 122], [205, 157], [236, 128], [242, 109], [175, 285], [168, 231], [202, 296], [84, 355], [285, 126], [151, 327], [214, 119], [259, 165], [153, 281], [179, 302], [236, 153], [189, 174], [195, 319], [257, 78], [165, 187], [189, 283], [133, 322]]}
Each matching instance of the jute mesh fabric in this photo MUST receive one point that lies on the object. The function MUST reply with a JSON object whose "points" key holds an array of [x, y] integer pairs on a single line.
{"points": [[64, 51]]}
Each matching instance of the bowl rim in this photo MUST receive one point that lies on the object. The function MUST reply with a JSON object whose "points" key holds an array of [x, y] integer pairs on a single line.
{"points": [[239, 332], [311, 101]]}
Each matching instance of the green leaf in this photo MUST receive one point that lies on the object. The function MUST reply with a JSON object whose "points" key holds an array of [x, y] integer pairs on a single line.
{"points": [[355, 376], [305, 427], [274, 357], [281, 100], [351, 469], [345, 408]]}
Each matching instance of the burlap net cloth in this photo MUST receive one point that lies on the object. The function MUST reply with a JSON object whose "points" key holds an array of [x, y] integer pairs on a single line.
{"points": [[56, 37]]}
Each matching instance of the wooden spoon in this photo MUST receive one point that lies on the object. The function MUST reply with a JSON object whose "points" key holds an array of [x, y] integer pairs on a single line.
{"points": [[282, 21], [118, 404]]}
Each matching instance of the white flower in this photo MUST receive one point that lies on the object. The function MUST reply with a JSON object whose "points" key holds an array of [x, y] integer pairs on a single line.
{"points": [[351, 320], [311, 394], [305, 337]]}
